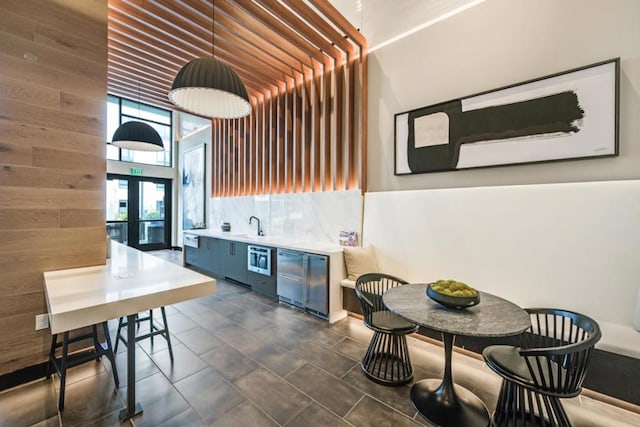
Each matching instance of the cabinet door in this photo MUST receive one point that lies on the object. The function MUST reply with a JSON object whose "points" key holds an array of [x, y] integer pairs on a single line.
{"points": [[317, 272], [191, 255], [239, 262], [265, 285], [233, 260], [225, 257], [213, 256]]}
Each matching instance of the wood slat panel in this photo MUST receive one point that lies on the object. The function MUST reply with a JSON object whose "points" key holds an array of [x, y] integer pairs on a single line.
{"points": [[302, 63]]}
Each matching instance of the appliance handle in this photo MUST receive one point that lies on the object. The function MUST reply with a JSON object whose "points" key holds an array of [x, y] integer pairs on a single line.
{"points": [[305, 275]]}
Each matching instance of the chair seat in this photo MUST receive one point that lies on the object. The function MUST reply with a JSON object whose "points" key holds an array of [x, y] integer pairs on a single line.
{"points": [[385, 321], [506, 361]]}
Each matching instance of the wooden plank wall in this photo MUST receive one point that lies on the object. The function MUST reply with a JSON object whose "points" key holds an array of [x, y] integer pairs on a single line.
{"points": [[53, 77]]}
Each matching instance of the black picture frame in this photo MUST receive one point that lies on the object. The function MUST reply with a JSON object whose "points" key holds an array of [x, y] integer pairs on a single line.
{"points": [[569, 115]]}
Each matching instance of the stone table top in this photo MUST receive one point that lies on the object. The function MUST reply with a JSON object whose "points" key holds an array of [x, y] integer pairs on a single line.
{"points": [[492, 317]]}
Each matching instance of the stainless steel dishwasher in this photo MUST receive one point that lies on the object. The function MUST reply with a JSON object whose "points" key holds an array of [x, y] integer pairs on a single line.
{"points": [[303, 280]]}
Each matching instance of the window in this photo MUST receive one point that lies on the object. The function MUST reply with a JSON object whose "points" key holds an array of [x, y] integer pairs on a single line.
{"points": [[120, 110]]}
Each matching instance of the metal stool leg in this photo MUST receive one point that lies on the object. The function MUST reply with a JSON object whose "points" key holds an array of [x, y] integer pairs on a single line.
{"points": [[63, 369], [110, 355], [52, 354], [118, 336], [166, 332]]}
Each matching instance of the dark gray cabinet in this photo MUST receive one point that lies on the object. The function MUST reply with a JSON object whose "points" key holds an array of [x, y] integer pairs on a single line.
{"points": [[233, 260], [211, 255], [260, 283], [228, 259], [192, 256], [205, 257]]}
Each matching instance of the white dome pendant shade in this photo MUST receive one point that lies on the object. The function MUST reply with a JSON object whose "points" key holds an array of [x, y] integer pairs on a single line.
{"points": [[137, 136], [207, 87]]}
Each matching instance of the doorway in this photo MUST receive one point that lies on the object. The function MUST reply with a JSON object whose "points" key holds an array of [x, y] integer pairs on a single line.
{"points": [[139, 211]]}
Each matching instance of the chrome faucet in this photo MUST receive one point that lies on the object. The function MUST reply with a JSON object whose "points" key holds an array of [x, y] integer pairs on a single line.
{"points": [[251, 218]]}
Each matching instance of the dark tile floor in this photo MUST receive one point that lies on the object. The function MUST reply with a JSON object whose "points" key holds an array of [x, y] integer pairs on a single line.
{"points": [[244, 360]]}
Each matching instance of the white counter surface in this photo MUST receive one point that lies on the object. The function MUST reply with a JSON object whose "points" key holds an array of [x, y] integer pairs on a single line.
{"points": [[130, 282], [321, 248]]}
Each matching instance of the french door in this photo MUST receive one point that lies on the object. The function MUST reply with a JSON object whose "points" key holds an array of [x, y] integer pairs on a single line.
{"points": [[139, 211]]}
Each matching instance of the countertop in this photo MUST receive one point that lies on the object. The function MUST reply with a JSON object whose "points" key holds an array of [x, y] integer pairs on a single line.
{"points": [[130, 281], [272, 241]]}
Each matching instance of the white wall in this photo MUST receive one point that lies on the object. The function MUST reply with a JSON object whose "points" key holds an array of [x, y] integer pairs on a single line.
{"points": [[573, 245], [494, 44]]}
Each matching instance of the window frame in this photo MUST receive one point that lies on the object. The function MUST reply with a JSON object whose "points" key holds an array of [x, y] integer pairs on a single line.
{"points": [[124, 117]]}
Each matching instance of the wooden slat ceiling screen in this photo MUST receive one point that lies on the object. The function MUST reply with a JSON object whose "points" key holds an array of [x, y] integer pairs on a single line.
{"points": [[304, 66]]}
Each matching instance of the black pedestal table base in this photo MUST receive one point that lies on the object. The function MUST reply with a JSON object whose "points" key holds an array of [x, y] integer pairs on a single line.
{"points": [[133, 408], [444, 404], [467, 410]]}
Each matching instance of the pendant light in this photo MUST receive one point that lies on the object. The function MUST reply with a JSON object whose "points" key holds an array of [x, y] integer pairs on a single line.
{"points": [[138, 136], [207, 87]]}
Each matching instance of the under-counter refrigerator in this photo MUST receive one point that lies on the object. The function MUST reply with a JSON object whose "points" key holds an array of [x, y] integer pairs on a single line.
{"points": [[302, 280]]}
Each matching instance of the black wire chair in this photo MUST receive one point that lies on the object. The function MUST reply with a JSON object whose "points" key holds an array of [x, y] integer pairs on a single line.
{"points": [[550, 364], [387, 359]]}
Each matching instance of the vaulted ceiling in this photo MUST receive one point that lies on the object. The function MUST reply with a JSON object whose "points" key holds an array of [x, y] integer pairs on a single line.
{"points": [[268, 42]]}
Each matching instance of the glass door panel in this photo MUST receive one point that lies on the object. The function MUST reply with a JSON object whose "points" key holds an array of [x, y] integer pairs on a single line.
{"points": [[151, 212], [117, 209], [139, 211]]}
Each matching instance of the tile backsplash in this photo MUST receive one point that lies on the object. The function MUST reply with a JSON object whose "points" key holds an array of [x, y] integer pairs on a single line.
{"points": [[306, 216]]}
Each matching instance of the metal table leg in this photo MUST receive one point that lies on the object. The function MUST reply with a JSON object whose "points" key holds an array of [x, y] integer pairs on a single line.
{"points": [[446, 404], [133, 408]]}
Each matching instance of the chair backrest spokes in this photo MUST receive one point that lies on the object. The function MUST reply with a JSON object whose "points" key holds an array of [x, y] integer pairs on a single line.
{"points": [[558, 348], [370, 287]]}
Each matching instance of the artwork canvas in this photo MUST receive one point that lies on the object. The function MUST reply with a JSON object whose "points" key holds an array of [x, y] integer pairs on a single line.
{"points": [[569, 115], [193, 188]]}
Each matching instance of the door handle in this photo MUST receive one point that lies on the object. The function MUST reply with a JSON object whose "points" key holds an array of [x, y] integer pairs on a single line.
{"points": [[305, 274]]}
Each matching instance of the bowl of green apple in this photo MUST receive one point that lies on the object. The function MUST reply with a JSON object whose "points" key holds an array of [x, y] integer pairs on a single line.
{"points": [[453, 294]]}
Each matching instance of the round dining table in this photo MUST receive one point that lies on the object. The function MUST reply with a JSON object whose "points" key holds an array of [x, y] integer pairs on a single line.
{"points": [[439, 400]]}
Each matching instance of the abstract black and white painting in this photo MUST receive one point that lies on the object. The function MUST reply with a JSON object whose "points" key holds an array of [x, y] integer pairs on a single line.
{"points": [[569, 115], [193, 188]]}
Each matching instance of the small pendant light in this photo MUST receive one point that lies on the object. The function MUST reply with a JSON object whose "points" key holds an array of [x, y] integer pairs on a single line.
{"points": [[207, 87], [138, 136]]}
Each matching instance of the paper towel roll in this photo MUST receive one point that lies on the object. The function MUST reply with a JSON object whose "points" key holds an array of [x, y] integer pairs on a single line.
{"points": [[636, 315]]}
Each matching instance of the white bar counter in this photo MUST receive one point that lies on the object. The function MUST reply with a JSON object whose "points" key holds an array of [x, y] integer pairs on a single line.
{"points": [[130, 282]]}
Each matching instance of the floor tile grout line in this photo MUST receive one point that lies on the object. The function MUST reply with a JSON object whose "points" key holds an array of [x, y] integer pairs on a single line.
{"points": [[356, 364]]}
